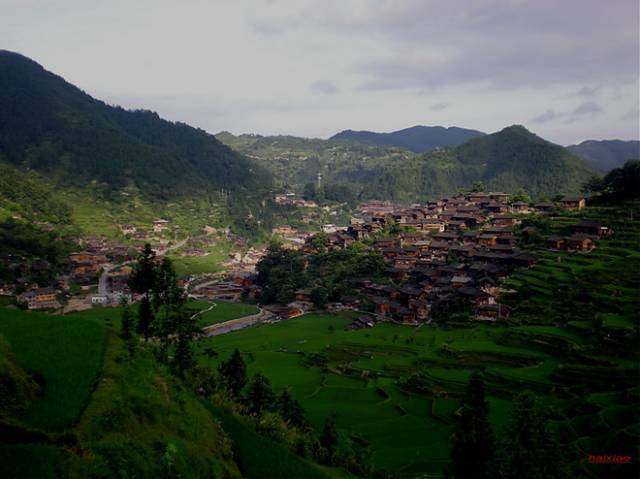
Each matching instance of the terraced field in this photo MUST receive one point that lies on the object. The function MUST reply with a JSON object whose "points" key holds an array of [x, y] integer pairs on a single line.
{"points": [[408, 431]]}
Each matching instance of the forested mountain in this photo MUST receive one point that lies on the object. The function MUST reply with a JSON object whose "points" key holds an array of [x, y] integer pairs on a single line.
{"points": [[50, 126], [606, 155], [418, 139], [507, 160]]}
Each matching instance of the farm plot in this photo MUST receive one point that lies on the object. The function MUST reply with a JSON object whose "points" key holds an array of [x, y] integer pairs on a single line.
{"points": [[64, 353], [221, 312], [354, 375]]}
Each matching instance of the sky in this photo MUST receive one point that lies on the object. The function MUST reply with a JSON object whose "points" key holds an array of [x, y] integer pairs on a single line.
{"points": [[566, 69]]}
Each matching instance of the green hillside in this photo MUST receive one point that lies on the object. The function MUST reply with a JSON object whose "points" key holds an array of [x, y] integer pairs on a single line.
{"points": [[102, 152], [95, 413], [27, 195], [51, 126], [418, 139], [508, 160], [604, 155]]}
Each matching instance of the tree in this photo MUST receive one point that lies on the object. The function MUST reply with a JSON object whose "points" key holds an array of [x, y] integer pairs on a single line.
{"points": [[593, 185], [619, 184], [320, 241], [234, 372], [319, 296], [310, 192], [183, 357], [329, 435], [126, 329], [143, 276], [478, 187], [260, 396], [291, 410], [522, 196], [126, 324], [529, 448], [145, 318], [281, 272], [473, 453], [166, 290]]}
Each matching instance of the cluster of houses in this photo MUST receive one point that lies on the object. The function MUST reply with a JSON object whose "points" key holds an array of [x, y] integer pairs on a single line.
{"points": [[454, 254], [294, 200], [84, 269], [96, 254], [157, 227], [584, 236], [245, 262]]}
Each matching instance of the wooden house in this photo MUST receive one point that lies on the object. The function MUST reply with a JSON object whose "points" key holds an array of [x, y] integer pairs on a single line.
{"points": [[487, 239], [579, 242], [573, 203], [592, 228]]}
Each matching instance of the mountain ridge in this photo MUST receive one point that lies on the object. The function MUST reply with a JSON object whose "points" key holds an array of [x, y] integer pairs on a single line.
{"points": [[49, 125], [605, 155], [418, 138], [510, 159]]}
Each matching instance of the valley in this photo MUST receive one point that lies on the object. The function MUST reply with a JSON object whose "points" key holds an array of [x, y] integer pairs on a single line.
{"points": [[425, 303]]}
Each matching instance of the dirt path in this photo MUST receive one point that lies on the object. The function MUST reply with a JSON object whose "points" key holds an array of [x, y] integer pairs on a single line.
{"points": [[235, 324]]}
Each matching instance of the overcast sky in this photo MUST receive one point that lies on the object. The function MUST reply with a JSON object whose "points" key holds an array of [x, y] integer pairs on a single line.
{"points": [[566, 69]]}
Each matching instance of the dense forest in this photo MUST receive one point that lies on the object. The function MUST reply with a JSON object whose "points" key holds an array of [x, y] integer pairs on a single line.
{"points": [[52, 127], [605, 155]]}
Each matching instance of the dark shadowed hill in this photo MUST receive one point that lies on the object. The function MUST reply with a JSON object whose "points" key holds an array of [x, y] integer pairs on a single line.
{"points": [[50, 126], [417, 138], [606, 155]]}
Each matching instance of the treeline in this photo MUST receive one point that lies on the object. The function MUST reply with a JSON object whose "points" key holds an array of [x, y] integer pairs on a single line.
{"points": [[162, 314], [328, 274], [281, 418], [619, 184]]}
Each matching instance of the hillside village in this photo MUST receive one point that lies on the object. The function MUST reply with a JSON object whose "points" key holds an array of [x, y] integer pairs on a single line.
{"points": [[444, 254]]}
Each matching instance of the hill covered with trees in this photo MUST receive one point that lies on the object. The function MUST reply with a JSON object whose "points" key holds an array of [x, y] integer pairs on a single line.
{"points": [[52, 127], [606, 155], [508, 160], [418, 139]]}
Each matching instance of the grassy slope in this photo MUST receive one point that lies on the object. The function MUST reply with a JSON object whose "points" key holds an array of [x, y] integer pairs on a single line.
{"points": [[261, 458], [223, 311], [139, 419], [66, 352], [142, 420]]}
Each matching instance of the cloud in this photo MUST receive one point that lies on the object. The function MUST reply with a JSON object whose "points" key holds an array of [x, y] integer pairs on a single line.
{"points": [[633, 114], [547, 116], [439, 106], [589, 91], [588, 108], [324, 87], [314, 67]]}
